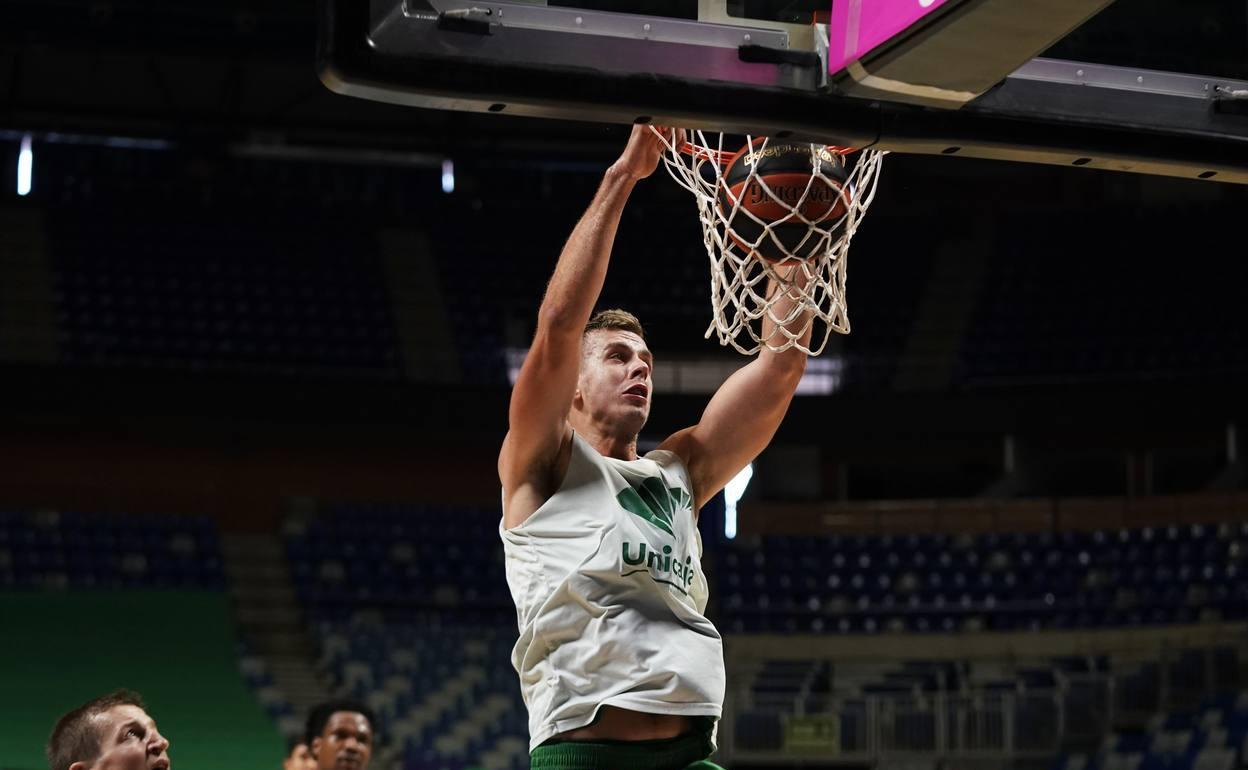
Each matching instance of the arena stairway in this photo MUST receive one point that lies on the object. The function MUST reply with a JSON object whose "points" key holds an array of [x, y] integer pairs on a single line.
{"points": [[278, 657]]}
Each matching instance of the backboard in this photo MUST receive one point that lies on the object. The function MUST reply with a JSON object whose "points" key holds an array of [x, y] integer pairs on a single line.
{"points": [[950, 77]]}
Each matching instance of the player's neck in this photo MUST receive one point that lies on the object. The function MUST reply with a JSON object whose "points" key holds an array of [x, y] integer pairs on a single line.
{"points": [[608, 444]]}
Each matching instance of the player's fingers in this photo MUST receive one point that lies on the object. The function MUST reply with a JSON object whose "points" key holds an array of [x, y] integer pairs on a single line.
{"points": [[669, 135]]}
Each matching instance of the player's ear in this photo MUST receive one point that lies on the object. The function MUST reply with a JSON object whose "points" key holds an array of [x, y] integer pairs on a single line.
{"points": [[80, 766], [314, 748]]}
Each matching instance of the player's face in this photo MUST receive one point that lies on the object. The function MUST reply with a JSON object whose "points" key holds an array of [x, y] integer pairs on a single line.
{"points": [[346, 743], [129, 740], [615, 383], [300, 759]]}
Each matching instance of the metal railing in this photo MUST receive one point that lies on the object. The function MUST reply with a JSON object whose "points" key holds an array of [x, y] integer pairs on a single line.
{"points": [[875, 727], [1010, 727]]}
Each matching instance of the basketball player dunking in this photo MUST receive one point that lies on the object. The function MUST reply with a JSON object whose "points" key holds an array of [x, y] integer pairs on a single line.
{"points": [[619, 668]]}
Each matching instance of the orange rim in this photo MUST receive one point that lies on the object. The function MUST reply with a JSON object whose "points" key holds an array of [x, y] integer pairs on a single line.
{"points": [[724, 158]]}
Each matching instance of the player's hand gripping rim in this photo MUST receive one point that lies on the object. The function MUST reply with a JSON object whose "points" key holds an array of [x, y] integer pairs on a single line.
{"points": [[644, 149]]}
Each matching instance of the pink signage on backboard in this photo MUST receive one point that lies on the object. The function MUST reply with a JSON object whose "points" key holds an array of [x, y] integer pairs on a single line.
{"points": [[857, 26]]}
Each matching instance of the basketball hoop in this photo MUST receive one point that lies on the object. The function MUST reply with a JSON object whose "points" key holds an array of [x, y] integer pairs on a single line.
{"points": [[803, 253]]}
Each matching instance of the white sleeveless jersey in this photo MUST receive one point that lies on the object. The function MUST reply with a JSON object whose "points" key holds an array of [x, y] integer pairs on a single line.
{"points": [[609, 592]]}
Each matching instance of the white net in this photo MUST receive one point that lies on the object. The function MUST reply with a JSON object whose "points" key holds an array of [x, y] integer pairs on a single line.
{"points": [[778, 252]]}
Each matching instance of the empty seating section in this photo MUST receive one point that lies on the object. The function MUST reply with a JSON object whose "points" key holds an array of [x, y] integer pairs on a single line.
{"points": [[940, 583], [70, 550], [1132, 299], [1208, 737], [411, 612], [220, 290], [213, 262], [269, 694], [142, 174], [443, 694], [405, 558]]}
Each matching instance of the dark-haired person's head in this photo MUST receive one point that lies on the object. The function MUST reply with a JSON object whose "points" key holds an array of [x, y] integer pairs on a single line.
{"points": [[340, 735], [298, 757], [112, 732]]}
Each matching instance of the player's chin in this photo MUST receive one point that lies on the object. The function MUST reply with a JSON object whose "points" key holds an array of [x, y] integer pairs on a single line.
{"points": [[635, 415]]}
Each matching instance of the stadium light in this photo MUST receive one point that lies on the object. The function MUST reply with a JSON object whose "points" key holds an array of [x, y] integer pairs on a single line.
{"points": [[25, 166], [732, 494], [448, 176]]}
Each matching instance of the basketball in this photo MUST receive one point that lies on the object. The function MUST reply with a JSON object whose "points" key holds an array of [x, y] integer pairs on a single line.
{"points": [[789, 187]]}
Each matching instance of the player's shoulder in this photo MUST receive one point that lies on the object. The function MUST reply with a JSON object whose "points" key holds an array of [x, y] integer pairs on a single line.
{"points": [[516, 460], [672, 454], [678, 444]]}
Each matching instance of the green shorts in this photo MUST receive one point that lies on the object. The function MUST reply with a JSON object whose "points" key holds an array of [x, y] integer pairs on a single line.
{"points": [[684, 752]]}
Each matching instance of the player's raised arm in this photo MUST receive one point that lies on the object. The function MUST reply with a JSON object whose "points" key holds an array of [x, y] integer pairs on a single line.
{"points": [[542, 397], [745, 412]]}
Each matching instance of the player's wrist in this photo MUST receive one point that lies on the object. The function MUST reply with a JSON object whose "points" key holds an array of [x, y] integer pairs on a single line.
{"points": [[622, 171]]}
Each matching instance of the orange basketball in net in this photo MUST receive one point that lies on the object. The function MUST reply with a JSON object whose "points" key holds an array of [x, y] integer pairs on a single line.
{"points": [[792, 193]]}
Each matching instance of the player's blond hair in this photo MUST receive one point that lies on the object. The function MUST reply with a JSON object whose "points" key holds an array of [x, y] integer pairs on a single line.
{"points": [[76, 736], [616, 320]]}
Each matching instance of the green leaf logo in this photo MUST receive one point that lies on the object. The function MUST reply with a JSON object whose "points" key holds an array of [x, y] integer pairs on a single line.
{"points": [[655, 502]]}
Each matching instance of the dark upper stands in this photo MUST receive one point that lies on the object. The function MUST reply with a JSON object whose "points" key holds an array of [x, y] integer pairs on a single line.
{"points": [[168, 258], [1114, 293], [222, 290]]}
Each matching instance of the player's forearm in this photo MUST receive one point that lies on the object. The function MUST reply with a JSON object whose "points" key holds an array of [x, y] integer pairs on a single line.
{"points": [[794, 323], [582, 267]]}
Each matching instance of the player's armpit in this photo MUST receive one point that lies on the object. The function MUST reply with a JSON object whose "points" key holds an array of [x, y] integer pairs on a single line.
{"points": [[529, 482]]}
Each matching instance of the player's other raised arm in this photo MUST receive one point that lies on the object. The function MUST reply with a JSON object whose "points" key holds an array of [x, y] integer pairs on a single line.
{"points": [[745, 412], [537, 419]]}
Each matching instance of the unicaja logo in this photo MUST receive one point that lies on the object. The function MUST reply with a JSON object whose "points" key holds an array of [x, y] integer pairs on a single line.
{"points": [[658, 504], [655, 502], [660, 564]]}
